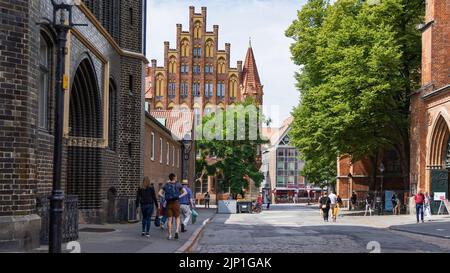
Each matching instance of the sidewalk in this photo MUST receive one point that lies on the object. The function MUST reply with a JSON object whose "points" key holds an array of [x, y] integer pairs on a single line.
{"points": [[433, 228], [126, 238]]}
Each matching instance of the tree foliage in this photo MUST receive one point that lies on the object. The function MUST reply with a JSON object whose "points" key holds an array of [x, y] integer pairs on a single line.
{"points": [[358, 64], [231, 153]]}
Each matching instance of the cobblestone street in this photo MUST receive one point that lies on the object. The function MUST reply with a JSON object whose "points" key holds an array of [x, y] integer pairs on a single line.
{"points": [[298, 228]]}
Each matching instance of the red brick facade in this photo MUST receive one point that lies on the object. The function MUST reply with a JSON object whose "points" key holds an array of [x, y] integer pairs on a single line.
{"points": [[430, 105]]}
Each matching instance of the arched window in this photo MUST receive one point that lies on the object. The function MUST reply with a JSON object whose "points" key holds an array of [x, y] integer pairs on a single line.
{"points": [[172, 65], [112, 115], [197, 116], [159, 85], [209, 48], [184, 48], [44, 81], [233, 87], [221, 66], [197, 30]]}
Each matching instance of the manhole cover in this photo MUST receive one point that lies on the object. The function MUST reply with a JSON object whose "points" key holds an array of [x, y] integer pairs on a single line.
{"points": [[98, 230]]}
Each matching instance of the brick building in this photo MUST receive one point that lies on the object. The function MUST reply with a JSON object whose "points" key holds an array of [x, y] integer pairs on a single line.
{"points": [[164, 150], [198, 76], [430, 105], [103, 118]]}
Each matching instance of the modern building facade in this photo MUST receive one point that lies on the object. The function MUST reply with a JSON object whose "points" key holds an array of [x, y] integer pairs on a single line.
{"points": [[197, 75], [103, 118], [281, 166], [430, 105]]}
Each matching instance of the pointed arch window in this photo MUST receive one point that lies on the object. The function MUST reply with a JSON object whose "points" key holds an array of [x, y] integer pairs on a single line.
{"points": [[209, 48], [185, 48], [221, 66], [197, 30], [159, 85], [172, 65], [233, 87]]}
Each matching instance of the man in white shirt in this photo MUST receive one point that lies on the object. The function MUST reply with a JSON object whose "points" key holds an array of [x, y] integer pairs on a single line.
{"points": [[333, 199]]}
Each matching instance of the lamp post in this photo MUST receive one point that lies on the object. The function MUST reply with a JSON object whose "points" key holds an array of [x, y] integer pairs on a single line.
{"points": [[381, 187], [61, 23], [187, 146]]}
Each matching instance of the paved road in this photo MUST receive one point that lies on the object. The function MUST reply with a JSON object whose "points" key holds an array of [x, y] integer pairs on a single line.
{"points": [[295, 228], [126, 238]]}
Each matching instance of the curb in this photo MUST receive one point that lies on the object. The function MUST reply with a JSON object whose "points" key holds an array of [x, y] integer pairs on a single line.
{"points": [[419, 233], [194, 237]]}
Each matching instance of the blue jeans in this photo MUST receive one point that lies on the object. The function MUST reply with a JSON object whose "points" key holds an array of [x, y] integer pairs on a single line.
{"points": [[147, 211], [163, 218], [419, 207]]}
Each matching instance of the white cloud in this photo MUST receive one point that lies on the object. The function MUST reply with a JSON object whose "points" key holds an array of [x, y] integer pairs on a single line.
{"points": [[263, 20]]}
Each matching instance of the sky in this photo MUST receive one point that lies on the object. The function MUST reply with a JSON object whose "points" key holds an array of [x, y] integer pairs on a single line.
{"points": [[265, 21]]}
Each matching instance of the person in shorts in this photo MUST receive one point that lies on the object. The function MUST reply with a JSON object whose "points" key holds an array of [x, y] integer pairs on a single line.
{"points": [[172, 192]]}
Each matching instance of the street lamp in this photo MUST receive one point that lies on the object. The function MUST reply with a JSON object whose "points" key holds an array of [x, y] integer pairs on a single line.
{"points": [[61, 23], [381, 171], [187, 146]]}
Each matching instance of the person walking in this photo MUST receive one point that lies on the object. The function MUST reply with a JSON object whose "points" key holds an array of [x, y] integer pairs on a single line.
{"points": [[207, 198], [162, 211], [339, 205], [427, 206], [394, 203], [333, 199], [186, 205], [269, 200], [419, 199], [369, 202], [146, 198], [172, 192], [324, 205], [353, 200], [398, 206]]}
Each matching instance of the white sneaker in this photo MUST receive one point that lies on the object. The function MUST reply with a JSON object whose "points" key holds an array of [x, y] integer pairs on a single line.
{"points": [[170, 237]]}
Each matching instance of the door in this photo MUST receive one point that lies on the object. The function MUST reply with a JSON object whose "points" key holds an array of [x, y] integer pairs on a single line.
{"points": [[438, 183]]}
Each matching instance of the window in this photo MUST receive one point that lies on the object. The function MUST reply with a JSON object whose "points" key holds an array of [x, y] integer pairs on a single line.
{"points": [[44, 82], [159, 85], [172, 89], [220, 89], [209, 48], [197, 30], [184, 48], [112, 115], [221, 66], [197, 70], [233, 87], [197, 116], [130, 150], [178, 158], [173, 155], [208, 69], [130, 12], [208, 111], [152, 146], [172, 65], [208, 89], [198, 187], [160, 150], [205, 185], [197, 52], [196, 89], [168, 154]]}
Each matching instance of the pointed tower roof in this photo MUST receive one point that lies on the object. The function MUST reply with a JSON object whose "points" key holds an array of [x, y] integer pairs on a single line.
{"points": [[250, 77]]}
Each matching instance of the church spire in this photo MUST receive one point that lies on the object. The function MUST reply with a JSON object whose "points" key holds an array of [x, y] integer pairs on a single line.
{"points": [[251, 83]]}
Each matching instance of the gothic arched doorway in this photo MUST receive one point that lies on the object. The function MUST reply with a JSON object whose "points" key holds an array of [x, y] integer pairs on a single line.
{"points": [[439, 158], [85, 123]]}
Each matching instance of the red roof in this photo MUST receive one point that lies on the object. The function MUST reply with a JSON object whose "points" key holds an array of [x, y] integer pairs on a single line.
{"points": [[250, 76], [179, 122]]}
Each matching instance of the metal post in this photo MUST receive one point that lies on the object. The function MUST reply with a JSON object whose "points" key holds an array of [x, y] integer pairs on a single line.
{"points": [[57, 197]]}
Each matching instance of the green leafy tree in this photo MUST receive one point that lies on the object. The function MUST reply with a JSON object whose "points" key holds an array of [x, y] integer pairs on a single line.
{"points": [[229, 146], [358, 64]]}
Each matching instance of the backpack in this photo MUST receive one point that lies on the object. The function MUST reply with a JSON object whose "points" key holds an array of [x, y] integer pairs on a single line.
{"points": [[171, 191]]}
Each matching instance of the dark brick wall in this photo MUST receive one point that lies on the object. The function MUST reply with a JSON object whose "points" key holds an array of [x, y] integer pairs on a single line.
{"points": [[26, 152], [131, 25], [18, 112]]}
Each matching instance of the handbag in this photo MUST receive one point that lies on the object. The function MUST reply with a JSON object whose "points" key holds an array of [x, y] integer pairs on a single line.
{"points": [[324, 206]]}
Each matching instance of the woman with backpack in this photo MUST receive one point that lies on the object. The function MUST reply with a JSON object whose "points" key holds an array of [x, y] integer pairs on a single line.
{"points": [[146, 198], [324, 204]]}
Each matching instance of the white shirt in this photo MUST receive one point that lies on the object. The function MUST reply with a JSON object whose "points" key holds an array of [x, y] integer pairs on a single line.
{"points": [[333, 198]]}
